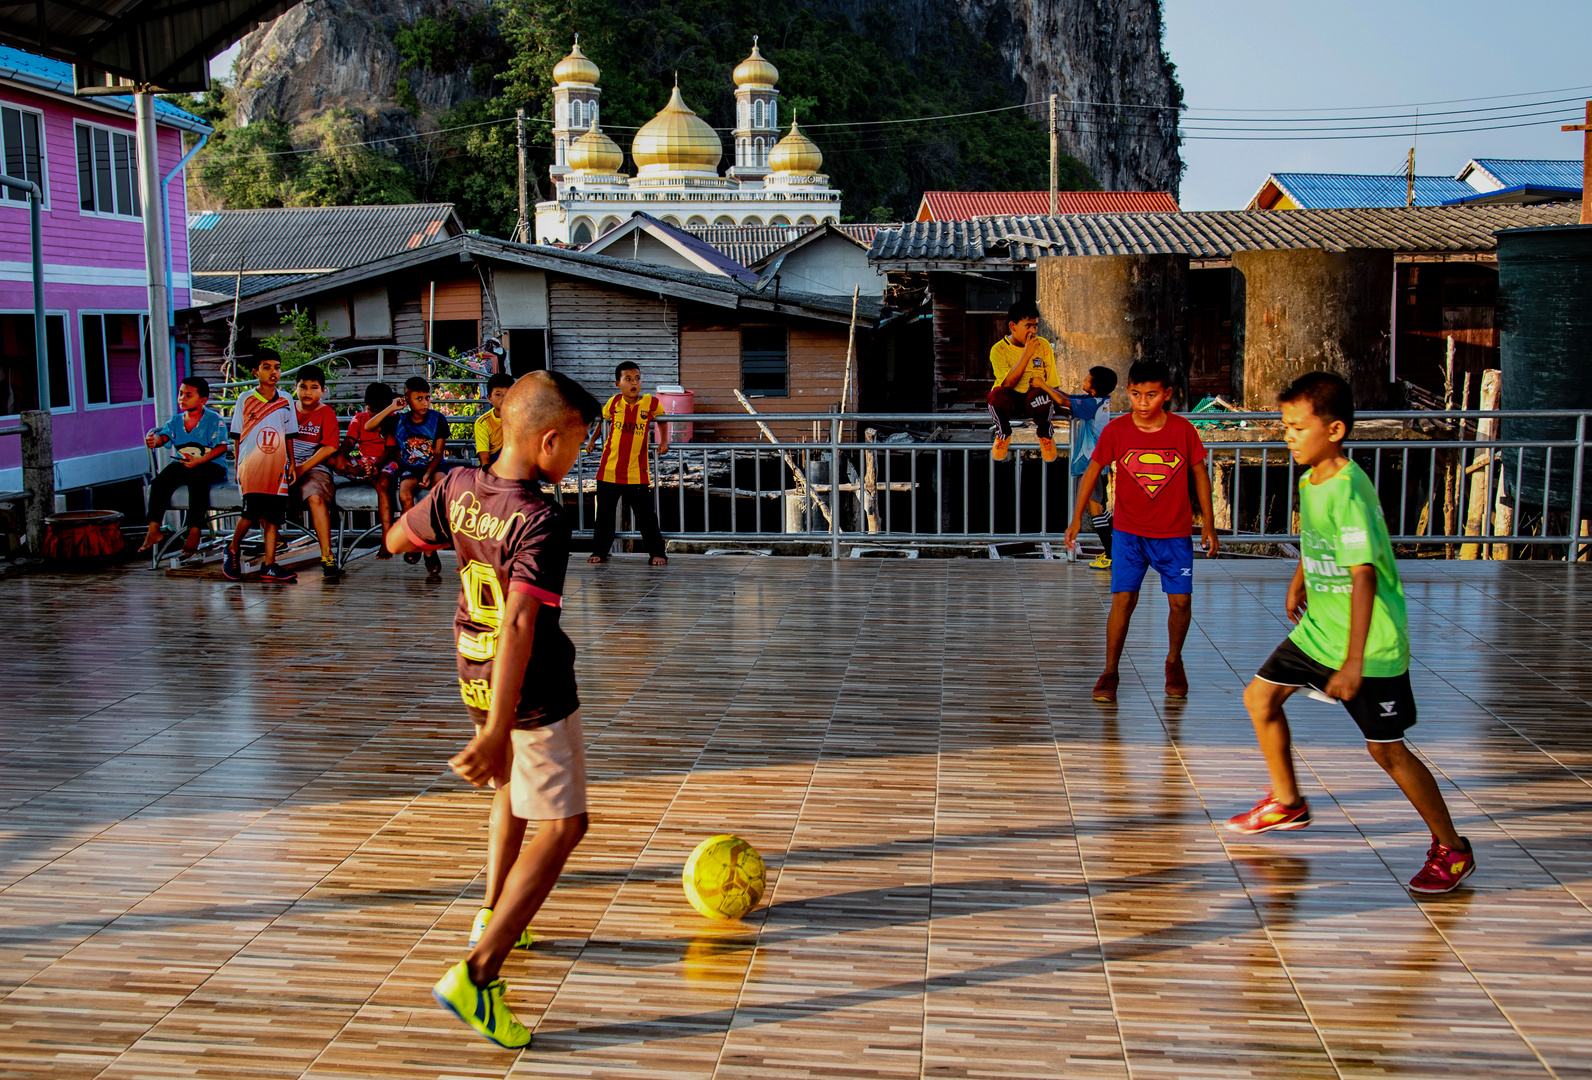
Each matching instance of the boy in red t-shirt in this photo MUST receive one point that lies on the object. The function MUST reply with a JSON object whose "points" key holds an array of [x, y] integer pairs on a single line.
{"points": [[314, 447], [1154, 453]]}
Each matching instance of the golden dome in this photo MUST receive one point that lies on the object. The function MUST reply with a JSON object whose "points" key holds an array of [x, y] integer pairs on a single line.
{"points": [[755, 71], [575, 68], [676, 140], [795, 153], [595, 152]]}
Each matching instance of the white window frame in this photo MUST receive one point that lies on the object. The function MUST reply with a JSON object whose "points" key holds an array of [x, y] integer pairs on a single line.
{"points": [[758, 114], [773, 113], [143, 346], [66, 332], [44, 158], [110, 215]]}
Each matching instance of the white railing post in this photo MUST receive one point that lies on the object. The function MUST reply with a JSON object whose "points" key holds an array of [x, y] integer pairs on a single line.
{"points": [[1575, 496]]}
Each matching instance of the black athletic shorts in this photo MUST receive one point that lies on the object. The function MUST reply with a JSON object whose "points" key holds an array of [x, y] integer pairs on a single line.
{"points": [[271, 509], [1384, 708]]}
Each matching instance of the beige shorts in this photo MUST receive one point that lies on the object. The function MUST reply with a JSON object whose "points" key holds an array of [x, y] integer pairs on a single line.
{"points": [[547, 780], [315, 482]]}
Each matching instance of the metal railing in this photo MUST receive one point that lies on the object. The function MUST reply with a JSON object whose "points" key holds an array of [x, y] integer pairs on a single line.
{"points": [[930, 478]]}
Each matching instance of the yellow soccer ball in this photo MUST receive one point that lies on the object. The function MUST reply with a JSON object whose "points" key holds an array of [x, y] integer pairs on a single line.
{"points": [[724, 877]]}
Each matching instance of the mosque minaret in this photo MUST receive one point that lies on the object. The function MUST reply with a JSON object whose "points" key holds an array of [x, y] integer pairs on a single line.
{"points": [[677, 154]]}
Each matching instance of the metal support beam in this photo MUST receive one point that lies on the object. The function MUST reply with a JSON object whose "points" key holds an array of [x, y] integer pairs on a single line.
{"points": [[149, 191], [41, 356]]}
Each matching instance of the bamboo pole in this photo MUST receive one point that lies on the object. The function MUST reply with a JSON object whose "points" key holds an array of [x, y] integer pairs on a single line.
{"points": [[1481, 488], [801, 478]]}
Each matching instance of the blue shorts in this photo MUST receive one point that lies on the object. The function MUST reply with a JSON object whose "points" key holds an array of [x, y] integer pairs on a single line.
{"points": [[1132, 555]]}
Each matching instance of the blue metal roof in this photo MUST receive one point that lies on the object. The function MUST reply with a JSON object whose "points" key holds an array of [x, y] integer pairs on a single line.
{"points": [[1518, 172], [55, 76], [1342, 191]]}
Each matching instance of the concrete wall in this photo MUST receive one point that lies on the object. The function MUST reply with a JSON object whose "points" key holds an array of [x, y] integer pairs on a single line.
{"points": [[1315, 311], [1111, 310]]}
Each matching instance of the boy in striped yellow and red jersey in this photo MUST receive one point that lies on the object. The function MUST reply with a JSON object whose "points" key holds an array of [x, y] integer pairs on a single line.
{"points": [[624, 474]]}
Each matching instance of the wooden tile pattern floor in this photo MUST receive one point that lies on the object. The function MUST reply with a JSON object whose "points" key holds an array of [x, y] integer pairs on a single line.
{"points": [[230, 847]]}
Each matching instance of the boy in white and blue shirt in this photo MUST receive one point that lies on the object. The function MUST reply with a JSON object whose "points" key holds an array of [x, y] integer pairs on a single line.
{"points": [[198, 437]]}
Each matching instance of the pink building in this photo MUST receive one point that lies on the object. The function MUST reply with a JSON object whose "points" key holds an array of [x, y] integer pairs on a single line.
{"points": [[82, 151]]}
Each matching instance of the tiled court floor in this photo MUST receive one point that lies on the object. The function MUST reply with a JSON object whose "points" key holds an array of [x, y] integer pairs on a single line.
{"points": [[230, 846]]}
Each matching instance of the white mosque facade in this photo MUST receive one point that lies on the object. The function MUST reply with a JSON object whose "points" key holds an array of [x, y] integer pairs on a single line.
{"points": [[773, 181]]}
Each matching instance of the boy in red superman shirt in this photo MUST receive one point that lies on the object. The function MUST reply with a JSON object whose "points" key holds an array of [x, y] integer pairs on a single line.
{"points": [[1154, 452]]}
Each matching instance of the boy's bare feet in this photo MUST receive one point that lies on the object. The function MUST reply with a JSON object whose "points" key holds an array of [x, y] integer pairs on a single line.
{"points": [[151, 537], [1176, 679], [659, 560], [382, 552], [598, 559], [191, 544]]}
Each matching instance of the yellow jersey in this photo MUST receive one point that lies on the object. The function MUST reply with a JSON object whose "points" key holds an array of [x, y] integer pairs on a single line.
{"points": [[489, 434], [625, 456], [1004, 353]]}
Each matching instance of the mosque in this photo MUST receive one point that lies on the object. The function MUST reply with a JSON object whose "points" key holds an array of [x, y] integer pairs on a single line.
{"points": [[774, 181]]}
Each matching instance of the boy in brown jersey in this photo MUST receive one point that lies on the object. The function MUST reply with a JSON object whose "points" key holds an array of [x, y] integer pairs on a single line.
{"points": [[516, 671]]}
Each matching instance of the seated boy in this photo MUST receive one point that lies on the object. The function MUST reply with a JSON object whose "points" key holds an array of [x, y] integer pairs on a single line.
{"points": [[1025, 369], [489, 425], [624, 473], [516, 673], [1350, 640], [1153, 452], [421, 435], [314, 447], [368, 455], [263, 422], [199, 437]]}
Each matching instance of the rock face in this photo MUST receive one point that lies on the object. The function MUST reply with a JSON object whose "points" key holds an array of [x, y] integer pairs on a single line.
{"points": [[339, 54], [1087, 52], [331, 54]]}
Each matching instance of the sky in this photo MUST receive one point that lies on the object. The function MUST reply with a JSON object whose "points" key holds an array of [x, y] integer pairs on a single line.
{"points": [[1346, 55]]}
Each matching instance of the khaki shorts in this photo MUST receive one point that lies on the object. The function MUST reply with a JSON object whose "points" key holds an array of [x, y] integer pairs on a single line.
{"points": [[315, 482], [547, 780]]}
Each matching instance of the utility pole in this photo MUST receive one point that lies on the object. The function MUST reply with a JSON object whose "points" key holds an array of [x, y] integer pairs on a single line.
{"points": [[149, 192], [1586, 163], [522, 229], [1409, 179], [1054, 154]]}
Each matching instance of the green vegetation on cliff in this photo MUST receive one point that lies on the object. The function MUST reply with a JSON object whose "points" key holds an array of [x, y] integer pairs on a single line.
{"points": [[832, 72]]}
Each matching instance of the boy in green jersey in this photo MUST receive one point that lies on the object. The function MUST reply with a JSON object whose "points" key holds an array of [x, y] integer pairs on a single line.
{"points": [[1349, 640]]}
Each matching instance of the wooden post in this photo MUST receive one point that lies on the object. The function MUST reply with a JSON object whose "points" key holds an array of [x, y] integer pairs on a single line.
{"points": [[1586, 163], [1054, 156], [851, 342], [1480, 489], [38, 475], [870, 483], [1448, 455]]}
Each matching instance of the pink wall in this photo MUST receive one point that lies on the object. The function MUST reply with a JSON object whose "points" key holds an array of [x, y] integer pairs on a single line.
{"points": [[73, 239]]}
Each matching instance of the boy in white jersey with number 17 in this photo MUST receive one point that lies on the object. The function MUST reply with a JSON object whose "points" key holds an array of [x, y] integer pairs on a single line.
{"points": [[516, 673], [1349, 640]]}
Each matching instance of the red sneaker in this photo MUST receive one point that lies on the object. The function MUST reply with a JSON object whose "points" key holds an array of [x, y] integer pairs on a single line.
{"points": [[1106, 688], [1269, 814], [1445, 868], [1176, 679]]}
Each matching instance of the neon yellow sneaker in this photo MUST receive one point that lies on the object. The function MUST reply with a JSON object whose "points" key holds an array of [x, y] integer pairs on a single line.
{"points": [[483, 917], [1100, 563], [481, 1007]]}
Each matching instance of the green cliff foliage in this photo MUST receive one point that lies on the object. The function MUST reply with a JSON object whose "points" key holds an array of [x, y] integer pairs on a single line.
{"points": [[832, 72]]}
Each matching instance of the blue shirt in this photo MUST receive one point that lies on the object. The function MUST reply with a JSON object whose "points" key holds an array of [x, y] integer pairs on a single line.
{"points": [[1089, 417], [209, 433], [415, 440]]}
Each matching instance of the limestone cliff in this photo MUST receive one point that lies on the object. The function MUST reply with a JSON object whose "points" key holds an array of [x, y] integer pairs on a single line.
{"points": [[1089, 53], [339, 54]]}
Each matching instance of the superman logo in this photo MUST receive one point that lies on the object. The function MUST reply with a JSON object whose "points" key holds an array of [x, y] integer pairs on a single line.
{"points": [[1153, 469]]}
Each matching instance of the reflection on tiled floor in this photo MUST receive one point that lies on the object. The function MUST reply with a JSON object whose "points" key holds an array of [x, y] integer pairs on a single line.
{"points": [[230, 846]]}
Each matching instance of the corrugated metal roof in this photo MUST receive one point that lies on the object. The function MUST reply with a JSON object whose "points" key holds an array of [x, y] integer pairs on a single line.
{"points": [[966, 205], [749, 244], [1518, 172], [666, 233], [1337, 191], [55, 76], [225, 284], [313, 238], [1212, 234]]}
